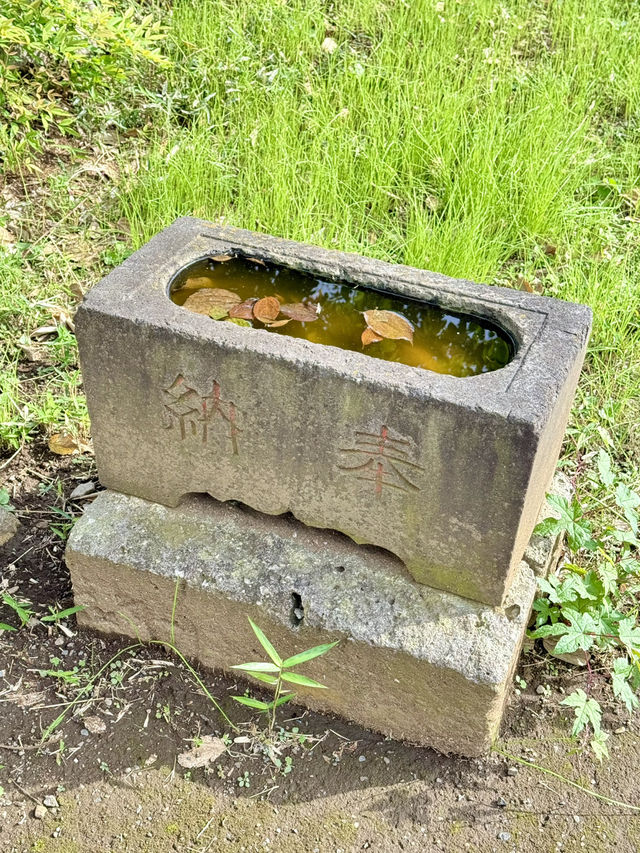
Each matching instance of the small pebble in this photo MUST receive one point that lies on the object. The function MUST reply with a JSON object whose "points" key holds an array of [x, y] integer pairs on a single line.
{"points": [[541, 690], [40, 812], [82, 490], [504, 836], [50, 802], [512, 771]]}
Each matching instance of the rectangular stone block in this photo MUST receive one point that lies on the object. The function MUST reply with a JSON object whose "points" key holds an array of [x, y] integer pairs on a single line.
{"points": [[413, 663], [280, 420]]}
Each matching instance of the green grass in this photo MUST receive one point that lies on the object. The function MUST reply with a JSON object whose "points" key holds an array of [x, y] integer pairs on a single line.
{"points": [[494, 141], [479, 139]]}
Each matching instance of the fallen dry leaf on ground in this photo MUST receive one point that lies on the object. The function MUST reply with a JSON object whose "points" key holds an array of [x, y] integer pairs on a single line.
{"points": [[200, 756], [63, 444]]}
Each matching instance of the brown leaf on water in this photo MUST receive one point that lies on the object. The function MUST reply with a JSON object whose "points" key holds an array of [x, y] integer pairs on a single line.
{"points": [[222, 259], [243, 310], [238, 321], [278, 323], [193, 283], [389, 324], [303, 312], [370, 337], [256, 261], [267, 309], [206, 300], [63, 444], [208, 751]]}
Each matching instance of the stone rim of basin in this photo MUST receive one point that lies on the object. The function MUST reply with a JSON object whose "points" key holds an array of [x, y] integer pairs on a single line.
{"points": [[548, 332]]}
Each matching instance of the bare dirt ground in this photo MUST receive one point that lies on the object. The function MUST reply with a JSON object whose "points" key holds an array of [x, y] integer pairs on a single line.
{"points": [[112, 767]]}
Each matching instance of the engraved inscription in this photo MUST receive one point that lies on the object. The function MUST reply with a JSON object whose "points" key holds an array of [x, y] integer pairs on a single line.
{"points": [[194, 413], [383, 460]]}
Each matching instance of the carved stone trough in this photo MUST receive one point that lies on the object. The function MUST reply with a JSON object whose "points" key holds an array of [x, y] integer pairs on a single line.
{"points": [[445, 475], [180, 404]]}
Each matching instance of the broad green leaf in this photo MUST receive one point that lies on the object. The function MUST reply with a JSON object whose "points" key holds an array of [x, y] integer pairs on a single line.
{"points": [[607, 477], [265, 643], [587, 711], [294, 678], [580, 634], [544, 612], [599, 746], [283, 699], [554, 630], [252, 703], [262, 676], [303, 657], [5, 627], [571, 521], [630, 566], [257, 666], [622, 670], [550, 587], [609, 576], [629, 633], [628, 500]]}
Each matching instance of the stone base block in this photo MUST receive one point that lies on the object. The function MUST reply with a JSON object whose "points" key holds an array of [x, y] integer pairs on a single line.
{"points": [[414, 663]]}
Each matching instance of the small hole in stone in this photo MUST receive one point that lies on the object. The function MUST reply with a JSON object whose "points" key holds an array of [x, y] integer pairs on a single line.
{"points": [[340, 569], [512, 612], [297, 610]]}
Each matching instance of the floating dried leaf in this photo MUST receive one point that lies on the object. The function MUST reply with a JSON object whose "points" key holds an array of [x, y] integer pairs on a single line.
{"points": [[209, 749], [63, 444], [204, 301], [370, 337], [244, 310], [266, 310], [389, 324], [256, 261], [301, 311], [278, 323], [222, 259], [218, 313], [238, 321], [193, 283]]}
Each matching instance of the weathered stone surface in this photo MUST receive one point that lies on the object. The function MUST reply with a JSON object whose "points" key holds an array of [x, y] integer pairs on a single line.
{"points": [[414, 662], [8, 525], [277, 421]]}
